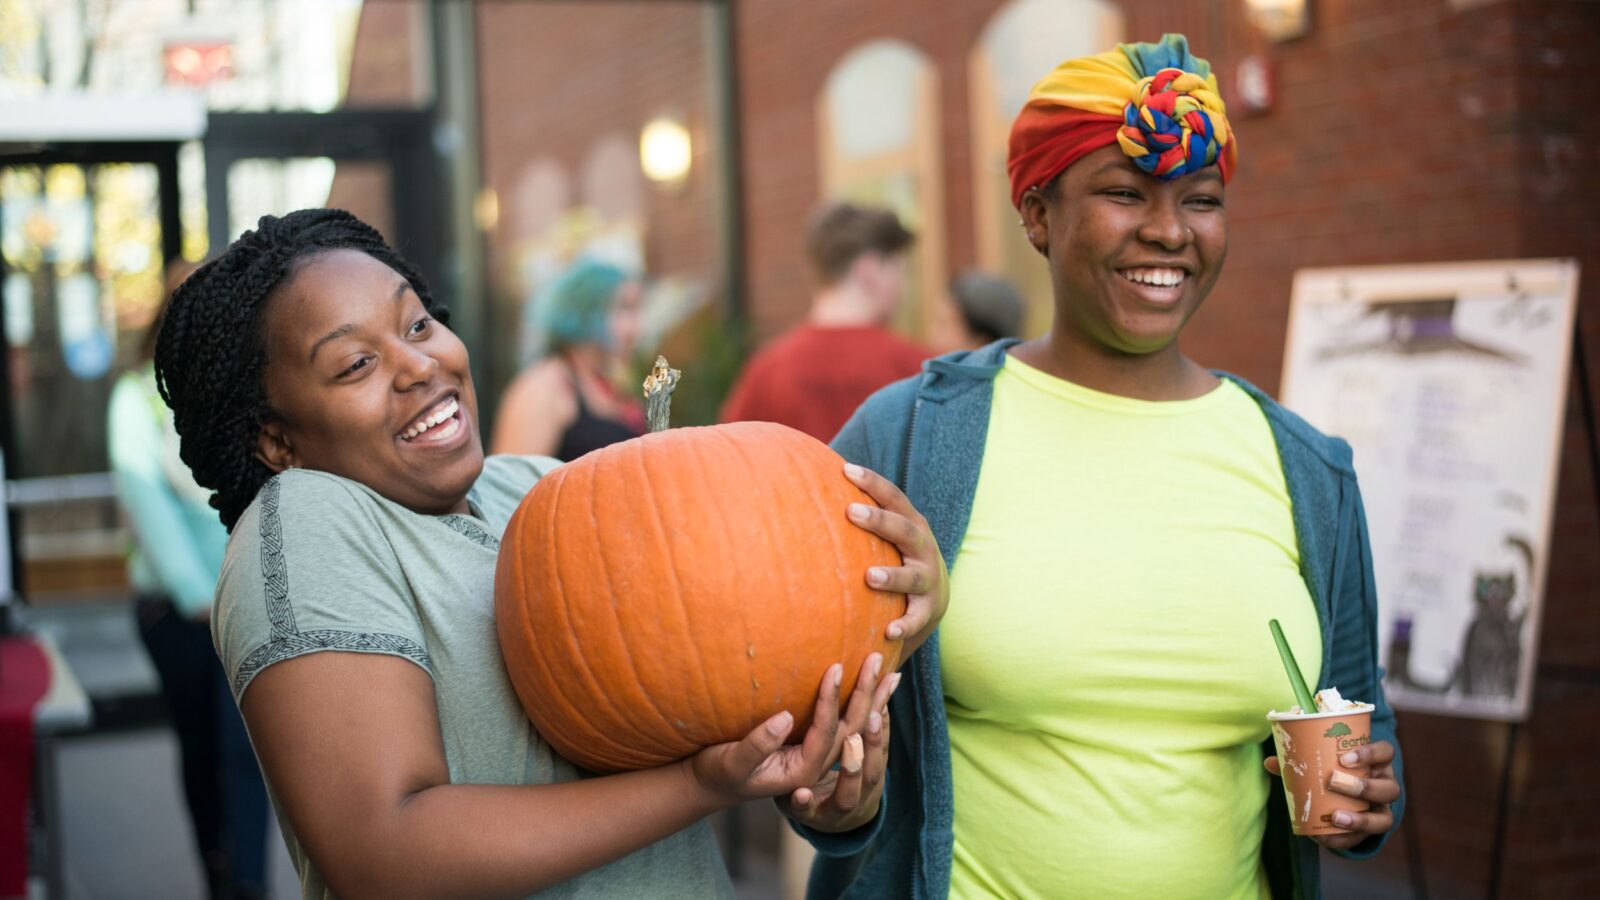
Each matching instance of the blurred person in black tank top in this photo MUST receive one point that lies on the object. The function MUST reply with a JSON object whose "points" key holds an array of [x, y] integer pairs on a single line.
{"points": [[566, 403]]}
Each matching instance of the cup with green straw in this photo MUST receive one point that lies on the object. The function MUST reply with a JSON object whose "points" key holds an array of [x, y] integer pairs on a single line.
{"points": [[1309, 745]]}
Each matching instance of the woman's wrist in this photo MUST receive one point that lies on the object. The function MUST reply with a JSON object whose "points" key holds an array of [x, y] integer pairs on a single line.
{"points": [[700, 797]]}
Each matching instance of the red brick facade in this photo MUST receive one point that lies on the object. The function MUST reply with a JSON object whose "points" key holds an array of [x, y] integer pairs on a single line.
{"points": [[1402, 132], [555, 79]]}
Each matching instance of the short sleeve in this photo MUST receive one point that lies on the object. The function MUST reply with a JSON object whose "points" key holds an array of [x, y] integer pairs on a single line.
{"points": [[506, 479], [309, 569]]}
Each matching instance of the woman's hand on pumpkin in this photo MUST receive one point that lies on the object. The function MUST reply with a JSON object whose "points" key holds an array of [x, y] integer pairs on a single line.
{"points": [[761, 765], [847, 797], [922, 577], [1379, 788]]}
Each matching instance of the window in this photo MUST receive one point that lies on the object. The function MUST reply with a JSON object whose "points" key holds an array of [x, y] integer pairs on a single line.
{"points": [[1021, 44], [879, 142]]}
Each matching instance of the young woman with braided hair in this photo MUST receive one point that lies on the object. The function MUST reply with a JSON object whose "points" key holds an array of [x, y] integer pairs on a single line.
{"points": [[319, 395]]}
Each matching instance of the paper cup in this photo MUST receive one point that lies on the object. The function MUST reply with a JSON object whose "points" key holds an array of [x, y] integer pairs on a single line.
{"points": [[1309, 747]]}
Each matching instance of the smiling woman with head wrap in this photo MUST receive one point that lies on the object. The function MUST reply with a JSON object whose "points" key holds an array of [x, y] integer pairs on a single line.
{"points": [[1121, 523]]}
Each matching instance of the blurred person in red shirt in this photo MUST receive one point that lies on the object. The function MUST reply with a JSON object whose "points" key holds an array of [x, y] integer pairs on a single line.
{"points": [[813, 376]]}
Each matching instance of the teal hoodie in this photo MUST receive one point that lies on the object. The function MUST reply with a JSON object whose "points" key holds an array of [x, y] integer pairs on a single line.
{"points": [[927, 434]]}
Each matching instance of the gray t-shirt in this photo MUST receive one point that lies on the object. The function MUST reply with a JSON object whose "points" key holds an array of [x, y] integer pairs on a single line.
{"points": [[319, 562]]}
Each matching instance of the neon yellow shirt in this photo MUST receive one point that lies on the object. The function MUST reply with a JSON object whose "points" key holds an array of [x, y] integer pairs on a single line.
{"points": [[1106, 658]]}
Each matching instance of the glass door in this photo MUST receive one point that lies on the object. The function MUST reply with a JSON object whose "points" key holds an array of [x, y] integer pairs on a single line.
{"points": [[84, 239], [378, 164]]}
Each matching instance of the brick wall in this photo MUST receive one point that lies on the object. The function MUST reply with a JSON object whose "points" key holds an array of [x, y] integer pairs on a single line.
{"points": [[786, 51], [1560, 761], [385, 65], [556, 78]]}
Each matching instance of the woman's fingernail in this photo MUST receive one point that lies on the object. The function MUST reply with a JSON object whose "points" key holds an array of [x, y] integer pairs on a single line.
{"points": [[877, 577], [1343, 819], [1349, 759], [874, 723], [877, 664], [853, 754], [1347, 784], [853, 470], [895, 631], [838, 674], [894, 681], [858, 512], [779, 724]]}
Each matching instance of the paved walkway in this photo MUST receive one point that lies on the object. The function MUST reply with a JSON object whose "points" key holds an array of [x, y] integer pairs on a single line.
{"points": [[124, 832], [126, 836]]}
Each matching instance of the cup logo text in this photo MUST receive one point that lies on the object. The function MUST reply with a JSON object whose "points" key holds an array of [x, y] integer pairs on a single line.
{"points": [[1341, 733]]}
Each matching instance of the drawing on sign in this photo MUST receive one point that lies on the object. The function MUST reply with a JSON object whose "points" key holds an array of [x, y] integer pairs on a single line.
{"points": [[1449, 382]]}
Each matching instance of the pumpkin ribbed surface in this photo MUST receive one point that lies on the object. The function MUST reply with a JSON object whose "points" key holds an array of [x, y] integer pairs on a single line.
{"points": [[674, 591]]}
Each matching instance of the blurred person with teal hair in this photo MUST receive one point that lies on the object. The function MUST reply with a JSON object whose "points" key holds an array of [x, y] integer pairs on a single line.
{"points": [[566, 401]]}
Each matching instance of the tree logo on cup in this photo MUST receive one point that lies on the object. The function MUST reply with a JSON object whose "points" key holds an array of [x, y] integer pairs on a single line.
{"points": [[1341, 732]]}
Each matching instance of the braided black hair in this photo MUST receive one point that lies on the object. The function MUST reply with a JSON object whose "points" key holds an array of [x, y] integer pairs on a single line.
{"points": [[210, 352]]}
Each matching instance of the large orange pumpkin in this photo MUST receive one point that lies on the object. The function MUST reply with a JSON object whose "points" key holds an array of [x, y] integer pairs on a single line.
{"points": [[674, 591]]}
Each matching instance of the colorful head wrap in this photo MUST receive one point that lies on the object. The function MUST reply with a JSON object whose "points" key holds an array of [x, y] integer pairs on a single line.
{"points": [[1159, 102]]}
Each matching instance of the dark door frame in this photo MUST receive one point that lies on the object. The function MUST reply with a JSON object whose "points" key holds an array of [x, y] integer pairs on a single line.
{"points": [[164, 156], [401, 137]]}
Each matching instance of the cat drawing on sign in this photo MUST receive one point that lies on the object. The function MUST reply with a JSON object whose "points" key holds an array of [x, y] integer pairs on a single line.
{"points": [[1490, 659], [1491, 652]]}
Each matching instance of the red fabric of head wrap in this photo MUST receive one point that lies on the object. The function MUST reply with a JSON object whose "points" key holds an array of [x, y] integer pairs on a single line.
{"points": [[1044, 148]]}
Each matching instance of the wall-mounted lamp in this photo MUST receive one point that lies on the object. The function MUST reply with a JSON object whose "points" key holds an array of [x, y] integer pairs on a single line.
{"points": [[486, 209], [665, 150], [1280, 20]]}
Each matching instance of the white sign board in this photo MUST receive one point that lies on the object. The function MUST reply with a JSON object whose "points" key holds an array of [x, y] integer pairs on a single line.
{"points": [[1450, 383]]}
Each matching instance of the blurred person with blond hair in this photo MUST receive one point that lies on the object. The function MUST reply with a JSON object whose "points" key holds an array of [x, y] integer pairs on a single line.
{"points": [[983, 308], [173, 567], [567, 403], [814, 375]]}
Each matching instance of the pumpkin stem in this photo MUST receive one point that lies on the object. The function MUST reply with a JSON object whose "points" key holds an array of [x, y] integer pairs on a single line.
{"points": [[658, 388]]}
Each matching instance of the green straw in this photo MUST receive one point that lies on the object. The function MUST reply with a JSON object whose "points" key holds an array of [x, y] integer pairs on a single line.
{"points": [[1302, 696]]}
